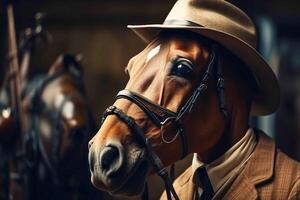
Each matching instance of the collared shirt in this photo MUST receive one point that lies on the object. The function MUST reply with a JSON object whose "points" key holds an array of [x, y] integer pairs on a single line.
{"points": [[222, 171]]}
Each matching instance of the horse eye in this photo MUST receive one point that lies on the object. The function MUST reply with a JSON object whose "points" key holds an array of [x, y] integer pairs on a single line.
{"points": [[182, 67]]}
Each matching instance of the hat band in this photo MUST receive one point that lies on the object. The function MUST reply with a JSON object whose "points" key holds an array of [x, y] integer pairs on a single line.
{"points": [[180, 22]]}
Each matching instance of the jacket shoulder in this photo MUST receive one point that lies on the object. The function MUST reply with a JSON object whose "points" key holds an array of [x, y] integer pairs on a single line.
{"points": [[285, 182], [285, 164], [270, 173]]}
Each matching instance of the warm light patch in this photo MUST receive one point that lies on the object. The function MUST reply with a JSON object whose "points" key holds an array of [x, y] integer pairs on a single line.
{"points": [[69, 110], [153, 53], [6, 113]]}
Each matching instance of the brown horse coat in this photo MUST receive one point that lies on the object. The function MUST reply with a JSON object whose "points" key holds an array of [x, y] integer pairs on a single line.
{"points": [[269, 174]]}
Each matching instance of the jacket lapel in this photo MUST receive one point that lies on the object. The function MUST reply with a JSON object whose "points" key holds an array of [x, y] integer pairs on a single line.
{"points": [[242, 188], [186, 185], [183, 186], [258, 169]]}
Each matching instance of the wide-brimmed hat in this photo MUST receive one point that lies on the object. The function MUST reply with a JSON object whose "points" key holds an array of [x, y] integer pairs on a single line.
{"points": [[233, 29]]}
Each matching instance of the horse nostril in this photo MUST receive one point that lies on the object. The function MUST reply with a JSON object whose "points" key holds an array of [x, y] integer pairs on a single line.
{"points": [[111, 159], [109, 155]]}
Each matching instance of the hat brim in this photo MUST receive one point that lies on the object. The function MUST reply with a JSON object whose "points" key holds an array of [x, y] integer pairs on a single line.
{"points": [[267, 99]]}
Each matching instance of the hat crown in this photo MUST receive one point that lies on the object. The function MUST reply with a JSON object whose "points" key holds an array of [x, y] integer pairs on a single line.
{"points": [[219, 15]]}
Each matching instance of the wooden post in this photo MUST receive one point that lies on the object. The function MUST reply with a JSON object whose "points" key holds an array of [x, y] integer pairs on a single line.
{"points": [[14, 71]]}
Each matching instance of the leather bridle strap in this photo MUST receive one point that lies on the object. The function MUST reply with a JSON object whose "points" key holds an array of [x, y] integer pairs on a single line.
{"points": [[143, 140], [188, 106], [221, 89], [157, 114]]}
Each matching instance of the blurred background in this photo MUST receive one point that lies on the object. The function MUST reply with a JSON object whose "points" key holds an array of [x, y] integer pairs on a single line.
{"points": [[97, 30]]}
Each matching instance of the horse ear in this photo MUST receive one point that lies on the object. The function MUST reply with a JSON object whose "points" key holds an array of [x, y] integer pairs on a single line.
{"points": [[72, 64], [57, 65], [67, 62]]}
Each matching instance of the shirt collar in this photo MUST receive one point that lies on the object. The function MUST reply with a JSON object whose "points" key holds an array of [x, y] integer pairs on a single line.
{"points": [[223, 168]]}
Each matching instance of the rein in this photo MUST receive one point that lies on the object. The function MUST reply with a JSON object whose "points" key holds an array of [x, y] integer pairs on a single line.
{"points": [[160, 116]]}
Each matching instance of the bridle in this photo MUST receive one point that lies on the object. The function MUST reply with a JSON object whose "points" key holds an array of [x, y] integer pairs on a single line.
{"points": [[160, 116]]}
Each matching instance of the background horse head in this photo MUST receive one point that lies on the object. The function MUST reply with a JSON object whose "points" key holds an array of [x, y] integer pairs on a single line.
{"points": [[51, 161], [173, 104]]}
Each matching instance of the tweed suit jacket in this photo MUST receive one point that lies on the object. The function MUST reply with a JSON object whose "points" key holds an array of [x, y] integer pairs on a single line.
{"points": [[268, 174]]}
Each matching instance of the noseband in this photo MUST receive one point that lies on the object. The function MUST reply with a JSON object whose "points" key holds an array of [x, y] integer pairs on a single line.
{"points": [[161, 116]]}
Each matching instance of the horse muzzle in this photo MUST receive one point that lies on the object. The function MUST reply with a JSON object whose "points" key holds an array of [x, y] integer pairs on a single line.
{"points": [[118, 169]]}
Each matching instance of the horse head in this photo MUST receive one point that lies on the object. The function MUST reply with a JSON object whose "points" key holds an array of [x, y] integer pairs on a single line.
{"points": [[58, 124], [174, 104]]}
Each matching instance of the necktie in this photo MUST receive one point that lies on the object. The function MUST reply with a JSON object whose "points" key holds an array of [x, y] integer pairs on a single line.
{"points": [[204, 181]]}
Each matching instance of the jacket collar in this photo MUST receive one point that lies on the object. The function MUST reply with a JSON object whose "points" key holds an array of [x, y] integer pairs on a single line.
{"points": [[265, 153], [260, 168], [222, 170]]}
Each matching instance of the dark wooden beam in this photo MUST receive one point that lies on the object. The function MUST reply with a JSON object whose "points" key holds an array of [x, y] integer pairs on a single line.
{"points": [[93, 13]]}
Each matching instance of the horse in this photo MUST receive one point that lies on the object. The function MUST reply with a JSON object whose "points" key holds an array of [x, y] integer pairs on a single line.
{"points": [[49, 160], [174, 104]]}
